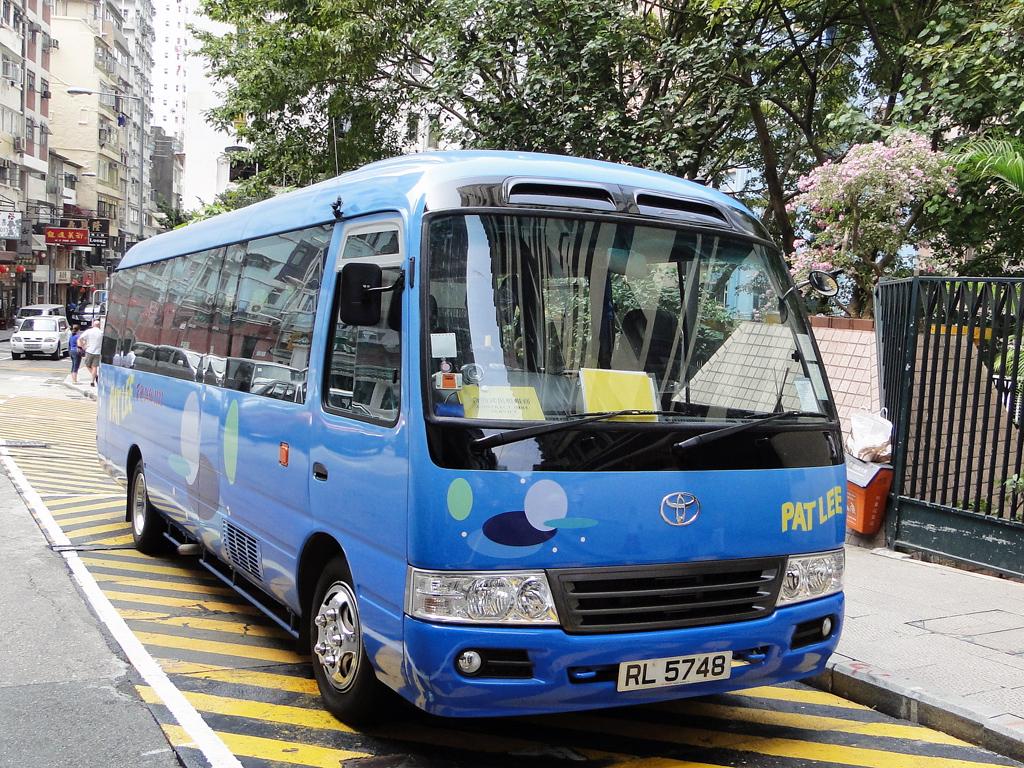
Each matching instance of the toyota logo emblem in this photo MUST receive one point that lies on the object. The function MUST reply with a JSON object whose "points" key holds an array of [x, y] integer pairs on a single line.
{"points": [[680, 508]]}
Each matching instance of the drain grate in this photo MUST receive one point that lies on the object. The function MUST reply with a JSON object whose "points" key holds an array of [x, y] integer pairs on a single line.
{"points": [[25, 444]]}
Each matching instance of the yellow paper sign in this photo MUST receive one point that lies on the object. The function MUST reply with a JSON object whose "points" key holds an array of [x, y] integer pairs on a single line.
{"points": [[511, 403], [617, 391]]}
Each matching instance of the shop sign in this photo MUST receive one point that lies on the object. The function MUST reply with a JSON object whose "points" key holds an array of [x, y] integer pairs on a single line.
{"points": [[66, 236], [99, 229], [10, 225], [62, 276]]}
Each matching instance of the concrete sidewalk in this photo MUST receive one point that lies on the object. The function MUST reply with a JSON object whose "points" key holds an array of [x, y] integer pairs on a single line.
{"points": [[935, 645], [67, 693], [928, 643]]}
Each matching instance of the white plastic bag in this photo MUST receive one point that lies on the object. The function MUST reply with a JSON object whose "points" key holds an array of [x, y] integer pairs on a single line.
{"points": [[870, 437]]}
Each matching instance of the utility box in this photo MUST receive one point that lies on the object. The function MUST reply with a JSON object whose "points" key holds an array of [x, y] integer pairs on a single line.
{"points": [[867, 488]]}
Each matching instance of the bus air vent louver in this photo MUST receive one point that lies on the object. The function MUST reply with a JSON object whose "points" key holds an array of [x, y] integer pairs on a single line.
{"points": [[562, 195], [243, 551], [677, 205]]}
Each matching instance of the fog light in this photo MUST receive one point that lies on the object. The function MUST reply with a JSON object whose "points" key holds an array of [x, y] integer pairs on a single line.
{"points": [[826, 627], [469, 662]]}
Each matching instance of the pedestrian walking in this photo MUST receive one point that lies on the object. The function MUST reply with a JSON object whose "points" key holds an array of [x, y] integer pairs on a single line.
{"points": [[91, 342], [75, 352]]}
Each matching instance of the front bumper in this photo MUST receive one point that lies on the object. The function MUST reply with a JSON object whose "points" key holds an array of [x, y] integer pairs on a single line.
{"points": [[563, 664], [43, 347]]}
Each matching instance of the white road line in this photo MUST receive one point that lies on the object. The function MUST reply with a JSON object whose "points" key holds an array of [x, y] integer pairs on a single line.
{"points": [[215, 750]]}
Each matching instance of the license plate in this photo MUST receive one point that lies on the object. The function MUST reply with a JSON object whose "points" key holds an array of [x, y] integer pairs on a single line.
{"points": [[674, 670]]}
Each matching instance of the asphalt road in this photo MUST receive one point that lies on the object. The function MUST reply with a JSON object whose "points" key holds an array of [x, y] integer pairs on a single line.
{"points": [[256, 696]]}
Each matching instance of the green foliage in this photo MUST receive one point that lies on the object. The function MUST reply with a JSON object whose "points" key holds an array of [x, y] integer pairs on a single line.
{"points": [[696, 88], [172, 216]]}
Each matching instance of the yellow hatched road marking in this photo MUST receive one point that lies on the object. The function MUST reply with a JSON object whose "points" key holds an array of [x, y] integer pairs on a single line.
{"points": [[237, 650], [181, 602], [794, 748], [438, 736], [66, 522], [115, 540], [254, 678], [131, 581], [800, 696], [814, 722], [97, 529], [57, 509], [289, 752], [111, 507], [210, 625], [145, 567]]}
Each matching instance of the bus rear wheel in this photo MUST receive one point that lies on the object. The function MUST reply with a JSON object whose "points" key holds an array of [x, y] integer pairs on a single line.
{"points": [[348, 685], [147, 532]]}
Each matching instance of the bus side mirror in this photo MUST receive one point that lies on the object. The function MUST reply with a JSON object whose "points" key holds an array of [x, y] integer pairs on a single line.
{"points": [[823, 283], [359, 303]]}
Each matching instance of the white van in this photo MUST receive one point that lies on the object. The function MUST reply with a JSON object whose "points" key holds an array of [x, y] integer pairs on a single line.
{"points": [[36, 310]]}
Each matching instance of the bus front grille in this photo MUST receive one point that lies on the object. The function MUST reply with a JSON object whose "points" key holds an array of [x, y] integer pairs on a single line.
{"points": [[643, 598]]}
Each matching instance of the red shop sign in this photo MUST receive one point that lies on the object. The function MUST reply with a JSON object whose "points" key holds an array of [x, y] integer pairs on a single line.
{"points": [[67, 236]]}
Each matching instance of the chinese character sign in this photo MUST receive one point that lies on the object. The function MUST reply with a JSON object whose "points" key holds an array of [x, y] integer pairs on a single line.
{"points": [[10, 225], [66, 236]]}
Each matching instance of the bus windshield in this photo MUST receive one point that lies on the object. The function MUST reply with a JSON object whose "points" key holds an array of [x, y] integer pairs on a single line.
{"points": [[539, 318]]}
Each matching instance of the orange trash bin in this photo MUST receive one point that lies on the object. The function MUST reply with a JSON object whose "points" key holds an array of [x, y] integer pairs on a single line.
{"points": [[867, 488]]}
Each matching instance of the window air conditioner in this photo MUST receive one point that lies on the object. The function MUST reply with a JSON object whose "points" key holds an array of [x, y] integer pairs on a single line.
{"points": [[20, 144]]}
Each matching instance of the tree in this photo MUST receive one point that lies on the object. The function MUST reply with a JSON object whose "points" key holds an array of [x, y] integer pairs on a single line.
{"points": [[172, 216], [695, 88], [997, 160], [983, 226], [866, 209]]}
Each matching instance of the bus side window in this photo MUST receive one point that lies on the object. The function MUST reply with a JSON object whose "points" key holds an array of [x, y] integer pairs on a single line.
{"points": [[363, 371]]}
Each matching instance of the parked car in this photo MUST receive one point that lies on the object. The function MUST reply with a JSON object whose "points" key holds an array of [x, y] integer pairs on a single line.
{"points": [[37, 310], [44, 335], [89, 312]]}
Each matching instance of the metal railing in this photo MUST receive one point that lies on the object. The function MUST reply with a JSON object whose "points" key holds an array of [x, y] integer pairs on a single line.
{"points": [[952, 378]]}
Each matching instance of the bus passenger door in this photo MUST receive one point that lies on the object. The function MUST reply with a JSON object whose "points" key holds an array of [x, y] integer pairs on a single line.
{"points": [[359, 453]]}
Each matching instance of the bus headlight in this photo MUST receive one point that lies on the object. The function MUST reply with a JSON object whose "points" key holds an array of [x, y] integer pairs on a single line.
{"points": [[485, 597], [811, 576]]}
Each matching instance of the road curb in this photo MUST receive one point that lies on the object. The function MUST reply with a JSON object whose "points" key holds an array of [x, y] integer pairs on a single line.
{"points": [[995, 730], [85, 390]]}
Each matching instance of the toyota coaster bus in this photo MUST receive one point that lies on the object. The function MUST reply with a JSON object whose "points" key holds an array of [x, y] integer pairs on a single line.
{"points": [[503, 433]]}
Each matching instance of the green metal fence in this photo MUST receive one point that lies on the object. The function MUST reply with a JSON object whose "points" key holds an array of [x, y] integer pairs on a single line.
{"points": [[952, 378]]}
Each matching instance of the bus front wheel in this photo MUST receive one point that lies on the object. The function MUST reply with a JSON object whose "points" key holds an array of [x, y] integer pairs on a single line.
{"points": [[348, 685], [146, 529]]}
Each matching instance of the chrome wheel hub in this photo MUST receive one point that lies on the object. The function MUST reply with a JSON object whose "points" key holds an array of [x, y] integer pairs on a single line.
{"points": [[139, 505], [338, 644]]}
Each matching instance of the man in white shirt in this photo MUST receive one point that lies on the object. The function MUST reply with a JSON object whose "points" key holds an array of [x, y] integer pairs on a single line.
{"points": [[91, 342]]}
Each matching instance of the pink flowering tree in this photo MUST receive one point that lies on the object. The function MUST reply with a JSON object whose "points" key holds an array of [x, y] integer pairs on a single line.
{"points": [[862, 215]]}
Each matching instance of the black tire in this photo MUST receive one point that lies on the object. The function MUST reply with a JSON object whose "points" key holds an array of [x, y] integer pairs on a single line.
{"points": [[56, 353], [348, 684], [15, 355], [147, 527]]}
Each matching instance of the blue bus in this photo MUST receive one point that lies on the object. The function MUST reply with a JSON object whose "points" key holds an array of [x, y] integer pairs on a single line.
{"points": [[503, 433]]}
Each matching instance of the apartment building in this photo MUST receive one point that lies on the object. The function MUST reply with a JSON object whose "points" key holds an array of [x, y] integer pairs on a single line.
{"points": [[31, 271]]}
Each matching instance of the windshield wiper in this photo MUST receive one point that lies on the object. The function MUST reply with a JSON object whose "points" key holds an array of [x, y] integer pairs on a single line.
{"points": [[524, 433], [718, 434]]}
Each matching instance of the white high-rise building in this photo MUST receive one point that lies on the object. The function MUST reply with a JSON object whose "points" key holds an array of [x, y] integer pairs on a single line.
{"points": [[182, 94], [170, 42]]}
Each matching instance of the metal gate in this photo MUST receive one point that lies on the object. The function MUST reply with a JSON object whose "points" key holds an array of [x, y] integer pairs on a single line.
{"points": [[952, 377]]}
